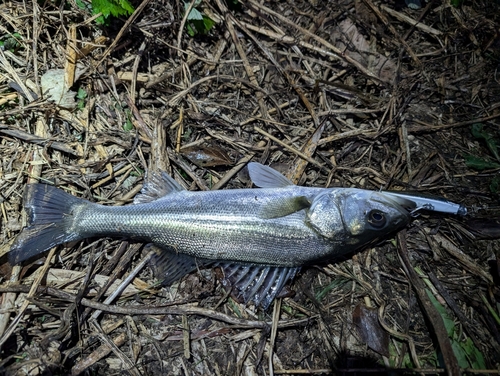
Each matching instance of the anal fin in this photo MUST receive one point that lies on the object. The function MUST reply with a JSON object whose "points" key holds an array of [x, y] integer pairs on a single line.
{"points": [[259, 284]]}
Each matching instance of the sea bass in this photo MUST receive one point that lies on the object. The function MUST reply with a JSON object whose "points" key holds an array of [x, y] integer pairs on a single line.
{"points": [[258, 237]]}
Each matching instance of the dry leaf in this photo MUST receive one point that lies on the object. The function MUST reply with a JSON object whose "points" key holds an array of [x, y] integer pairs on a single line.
{"points": [[203, 156], [358, 48], [371, 332]]}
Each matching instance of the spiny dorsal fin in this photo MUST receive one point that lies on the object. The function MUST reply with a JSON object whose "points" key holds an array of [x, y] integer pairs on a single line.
{"points": [[284, 206], [156, 186], [266, 177], [259, 284]]}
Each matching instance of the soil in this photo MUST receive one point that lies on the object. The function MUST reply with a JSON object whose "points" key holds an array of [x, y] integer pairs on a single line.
{"points": [[365, 94]]}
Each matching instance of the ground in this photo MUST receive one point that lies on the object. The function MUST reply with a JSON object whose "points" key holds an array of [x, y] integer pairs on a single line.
{"points": [[365, 94]]}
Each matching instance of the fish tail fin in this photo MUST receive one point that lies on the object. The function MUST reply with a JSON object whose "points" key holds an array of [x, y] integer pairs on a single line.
{"points": [[50, 219]]}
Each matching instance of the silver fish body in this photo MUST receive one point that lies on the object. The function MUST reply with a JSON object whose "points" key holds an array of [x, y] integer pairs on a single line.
{"points": [[232, 225], [278, 228]]}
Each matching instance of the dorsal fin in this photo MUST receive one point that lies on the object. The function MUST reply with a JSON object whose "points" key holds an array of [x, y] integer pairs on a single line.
{"points": [[266, 177], [156, 186]]}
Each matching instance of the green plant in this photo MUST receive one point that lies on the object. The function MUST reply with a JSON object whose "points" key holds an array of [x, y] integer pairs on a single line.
{"points": [[484, 163], [326, 289], [478, 132], [456, 3], [128, 126], [466, 352], [395, 348], [81, 95], [197, 22], [10, 41], [478, 163], [82, 4], [115, 8]]}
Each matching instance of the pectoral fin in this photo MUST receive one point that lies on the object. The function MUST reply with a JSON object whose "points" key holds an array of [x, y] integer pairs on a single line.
{"points": [[256, 283], [284, 206], [169, 267]]}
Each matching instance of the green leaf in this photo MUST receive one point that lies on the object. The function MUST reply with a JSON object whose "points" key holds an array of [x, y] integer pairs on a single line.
{"points": [[334, 284], [234, 306], [478, 132], [474, 356], [209, 23], [467, 354], [114, 8], [128, 126], [456, 3], [191, 31], [448, 322], [460, 354], [479, 163], [495, 184], [81, 4], [394, 353], [195, 14], [127, 6], [10, 41], [197, 23], [202, 26], [81, 94], [137, 172]]}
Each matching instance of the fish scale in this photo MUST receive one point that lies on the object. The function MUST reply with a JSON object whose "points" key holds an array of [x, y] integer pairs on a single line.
{"points": [[236, 235]]}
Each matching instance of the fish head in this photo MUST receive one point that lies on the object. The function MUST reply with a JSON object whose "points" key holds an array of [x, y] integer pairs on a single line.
{"points": [[357, 216]]}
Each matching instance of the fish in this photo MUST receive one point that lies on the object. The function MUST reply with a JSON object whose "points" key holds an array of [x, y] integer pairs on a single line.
{"points": [[259, 237]]}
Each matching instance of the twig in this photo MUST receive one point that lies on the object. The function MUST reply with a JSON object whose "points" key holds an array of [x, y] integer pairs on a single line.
{"points": [[292, 149], [464, 321], [97, 355], [433, 128], [394, 32], [220, 77], [165, 310], [464, 259], [230, 20], [135, 67], [131, 368], [45, 142], [336, 51], [241, 163], [122, 31], [125, 282], [403, 17]]}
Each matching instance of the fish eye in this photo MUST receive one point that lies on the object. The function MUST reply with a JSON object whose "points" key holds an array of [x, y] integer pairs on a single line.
{"points": [[377, 218]]}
